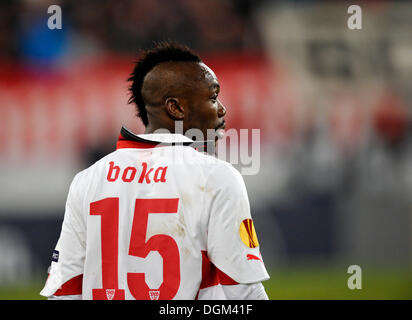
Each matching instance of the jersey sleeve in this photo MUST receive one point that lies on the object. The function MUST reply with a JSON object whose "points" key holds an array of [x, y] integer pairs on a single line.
{"points": [[232, 243], [252, 291], [66, 270]]}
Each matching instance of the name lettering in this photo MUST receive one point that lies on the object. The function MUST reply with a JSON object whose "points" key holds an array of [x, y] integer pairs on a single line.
{"points": [[145, 175]]}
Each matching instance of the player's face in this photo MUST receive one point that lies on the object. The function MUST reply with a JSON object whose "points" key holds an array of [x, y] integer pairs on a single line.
{"points": [[206, 111]]}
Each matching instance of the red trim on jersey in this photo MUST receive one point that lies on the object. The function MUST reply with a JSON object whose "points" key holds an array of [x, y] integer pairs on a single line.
{"points": [[122, 143], [253, 257], [71, 287], [212, 276]]}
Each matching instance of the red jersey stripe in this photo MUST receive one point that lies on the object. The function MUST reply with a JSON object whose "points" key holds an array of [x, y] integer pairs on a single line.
{"points": [[71, 287], [212, 276]]}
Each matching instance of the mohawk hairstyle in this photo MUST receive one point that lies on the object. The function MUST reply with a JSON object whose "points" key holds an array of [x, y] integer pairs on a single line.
{"points": [[162, 52]]}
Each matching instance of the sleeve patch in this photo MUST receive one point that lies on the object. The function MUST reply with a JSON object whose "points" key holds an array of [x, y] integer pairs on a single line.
{"points": [[55, 256], [248, 234]]}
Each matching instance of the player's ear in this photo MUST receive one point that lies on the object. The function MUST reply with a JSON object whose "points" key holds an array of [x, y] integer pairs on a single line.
{"points": [[174, 108]]}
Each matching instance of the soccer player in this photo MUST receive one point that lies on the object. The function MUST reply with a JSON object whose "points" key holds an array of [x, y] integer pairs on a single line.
{"points": [[157, 218]]}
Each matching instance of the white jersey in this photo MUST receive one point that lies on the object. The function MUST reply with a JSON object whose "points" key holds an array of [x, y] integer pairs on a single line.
{"points": [[155, 221]]}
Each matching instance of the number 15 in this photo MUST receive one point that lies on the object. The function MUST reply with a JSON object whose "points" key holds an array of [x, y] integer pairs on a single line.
{"points": [[108, 210]]}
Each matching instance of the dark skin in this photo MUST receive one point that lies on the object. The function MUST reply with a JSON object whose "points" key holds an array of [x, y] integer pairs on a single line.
{"points": [[183, 91]]}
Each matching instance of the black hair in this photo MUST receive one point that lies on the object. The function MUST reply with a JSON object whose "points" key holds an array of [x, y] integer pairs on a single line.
{"points": [[162, 52]]}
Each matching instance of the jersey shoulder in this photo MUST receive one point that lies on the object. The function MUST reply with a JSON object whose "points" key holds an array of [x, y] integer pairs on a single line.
{"points": [[82, 176], [222, 175], [213, 162]]}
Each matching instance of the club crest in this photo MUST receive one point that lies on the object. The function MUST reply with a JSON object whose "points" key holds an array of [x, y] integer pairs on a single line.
{"points": [[110, 293], [154, 294]]}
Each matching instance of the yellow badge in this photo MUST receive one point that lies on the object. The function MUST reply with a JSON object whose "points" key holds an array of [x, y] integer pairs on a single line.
{"points": [[248, 234]]}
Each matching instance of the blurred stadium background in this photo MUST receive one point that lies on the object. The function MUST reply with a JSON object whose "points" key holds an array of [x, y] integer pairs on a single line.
{"points": [[333, 104]]}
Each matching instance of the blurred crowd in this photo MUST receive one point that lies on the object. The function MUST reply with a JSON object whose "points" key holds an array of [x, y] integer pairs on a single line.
{"points": [[124, 26]]}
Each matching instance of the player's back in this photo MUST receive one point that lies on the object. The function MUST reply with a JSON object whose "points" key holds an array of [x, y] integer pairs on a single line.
{"points": [[155, 221], [146, 225]]}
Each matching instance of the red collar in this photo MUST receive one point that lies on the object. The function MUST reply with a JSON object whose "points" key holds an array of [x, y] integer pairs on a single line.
{"points": [[123, 142]]}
